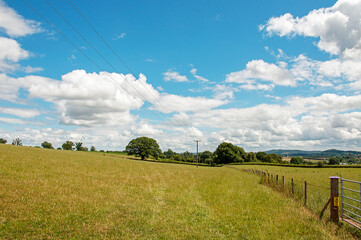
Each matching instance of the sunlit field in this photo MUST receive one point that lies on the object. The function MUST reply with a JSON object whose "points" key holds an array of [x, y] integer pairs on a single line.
{"points": [[46, 194], [318, 182]]}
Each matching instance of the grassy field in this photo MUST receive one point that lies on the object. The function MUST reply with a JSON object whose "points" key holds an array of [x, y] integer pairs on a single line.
{"points": [[47, 194], [318, 182]]}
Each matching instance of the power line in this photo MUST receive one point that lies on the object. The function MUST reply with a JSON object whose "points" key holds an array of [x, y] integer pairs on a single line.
{"points": [[102, 56], [114, 52], [197, 141], [82, 52]]}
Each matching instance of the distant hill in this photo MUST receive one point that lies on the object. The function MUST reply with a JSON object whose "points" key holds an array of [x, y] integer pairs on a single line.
{"points": [[314, 154]]}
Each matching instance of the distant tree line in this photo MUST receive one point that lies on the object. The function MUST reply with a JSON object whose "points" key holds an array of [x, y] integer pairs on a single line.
{"points": [[225, 153]]}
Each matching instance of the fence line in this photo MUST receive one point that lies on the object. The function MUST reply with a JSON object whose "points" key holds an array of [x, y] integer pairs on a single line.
{"points": [[312, 196]]}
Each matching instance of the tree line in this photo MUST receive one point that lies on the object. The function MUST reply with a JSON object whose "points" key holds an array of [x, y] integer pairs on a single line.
{"points": [[225, 153]]}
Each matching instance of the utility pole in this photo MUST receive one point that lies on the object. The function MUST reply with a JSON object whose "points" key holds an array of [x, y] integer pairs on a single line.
{"points": [[197, 141]]}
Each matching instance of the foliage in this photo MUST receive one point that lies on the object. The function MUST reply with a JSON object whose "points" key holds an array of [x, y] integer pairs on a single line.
{"points": [[169, 153], [297, 160], [228, 153], [79, 147], [206, 156], [68, 145], [143, 147], [261, 156], [46, 144], [3, 141], [251, 157], [273, 158], [334, 161], [92, 149], [17, 141]]}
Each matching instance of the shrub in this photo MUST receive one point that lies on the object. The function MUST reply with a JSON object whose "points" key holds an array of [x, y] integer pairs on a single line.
{"points": [[46, 144], [17, 141]]}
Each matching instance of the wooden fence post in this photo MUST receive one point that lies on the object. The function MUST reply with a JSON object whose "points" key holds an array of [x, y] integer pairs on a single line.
{"points": [[335, 202], [293, 186], [305, 193], [277, 179], [283, 181]]}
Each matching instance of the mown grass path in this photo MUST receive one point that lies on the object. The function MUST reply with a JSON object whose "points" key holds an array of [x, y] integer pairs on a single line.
{"points": [[47, 194]]}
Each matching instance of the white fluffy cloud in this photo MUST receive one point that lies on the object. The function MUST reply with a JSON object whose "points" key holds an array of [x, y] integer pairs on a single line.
{"points": [[15, 25], [338, 27], [174, 76], [20, 112], [10, 53], [176, 103], [258, 70]]}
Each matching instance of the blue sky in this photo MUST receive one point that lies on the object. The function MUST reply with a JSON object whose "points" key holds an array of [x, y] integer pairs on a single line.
{"points": [[259, 74]]}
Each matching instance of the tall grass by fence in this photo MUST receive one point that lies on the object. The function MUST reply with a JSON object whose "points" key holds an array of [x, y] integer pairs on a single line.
{"points": [[313, 196]]}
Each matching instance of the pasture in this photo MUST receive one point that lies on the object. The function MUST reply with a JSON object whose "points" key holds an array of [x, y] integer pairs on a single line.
{"points": [[318, 182], [47, 194]]}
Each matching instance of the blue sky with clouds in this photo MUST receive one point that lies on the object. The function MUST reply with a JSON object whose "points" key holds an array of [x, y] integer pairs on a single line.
{"points": [[259, 74]]}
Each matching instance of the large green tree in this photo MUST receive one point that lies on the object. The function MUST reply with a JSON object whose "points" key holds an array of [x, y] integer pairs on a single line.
{"points": [[46, 144], [68, 145], [3, 141], [297, 160], [228, 153], [143, 147], [206, 156]]}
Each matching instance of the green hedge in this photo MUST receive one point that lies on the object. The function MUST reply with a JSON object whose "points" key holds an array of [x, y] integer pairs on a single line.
{"points": [[297, 165]]}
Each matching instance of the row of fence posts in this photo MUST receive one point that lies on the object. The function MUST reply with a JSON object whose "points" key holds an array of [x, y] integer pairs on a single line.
{"points": [[274, 179], [334, 196]]}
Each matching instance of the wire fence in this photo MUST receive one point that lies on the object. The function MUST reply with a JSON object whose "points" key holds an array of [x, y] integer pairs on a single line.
{"points": [[313, 196], [351, 202], [317, 198]]}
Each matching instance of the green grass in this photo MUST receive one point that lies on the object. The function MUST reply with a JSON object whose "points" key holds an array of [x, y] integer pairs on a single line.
{"points": [[318, 183], [47, 194]]}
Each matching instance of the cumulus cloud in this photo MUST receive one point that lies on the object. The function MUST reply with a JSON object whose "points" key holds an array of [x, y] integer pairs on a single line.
{"points": [[20, 112], [174, 76], [176, 103], [338, 27], [263, 71], [15, 25], [10, 53]]}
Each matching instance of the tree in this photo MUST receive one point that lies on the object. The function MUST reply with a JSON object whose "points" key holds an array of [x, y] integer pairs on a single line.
{"points": [[46, 144], [92, 149], [17, 141], [251, 157], [334, 161], [206, 156], [3, 141], [262, 156], [297, 160], [79, 147], [68, 145], [273, 158], [228, 153], [169, 153], [143, 147]]}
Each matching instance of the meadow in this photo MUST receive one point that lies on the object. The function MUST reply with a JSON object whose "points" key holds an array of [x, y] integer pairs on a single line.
{"points": [[47, 194], [318, 183]]}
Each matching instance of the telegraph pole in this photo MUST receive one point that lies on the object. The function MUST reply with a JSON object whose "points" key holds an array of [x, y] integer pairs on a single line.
{"points": [[197, 141]]}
